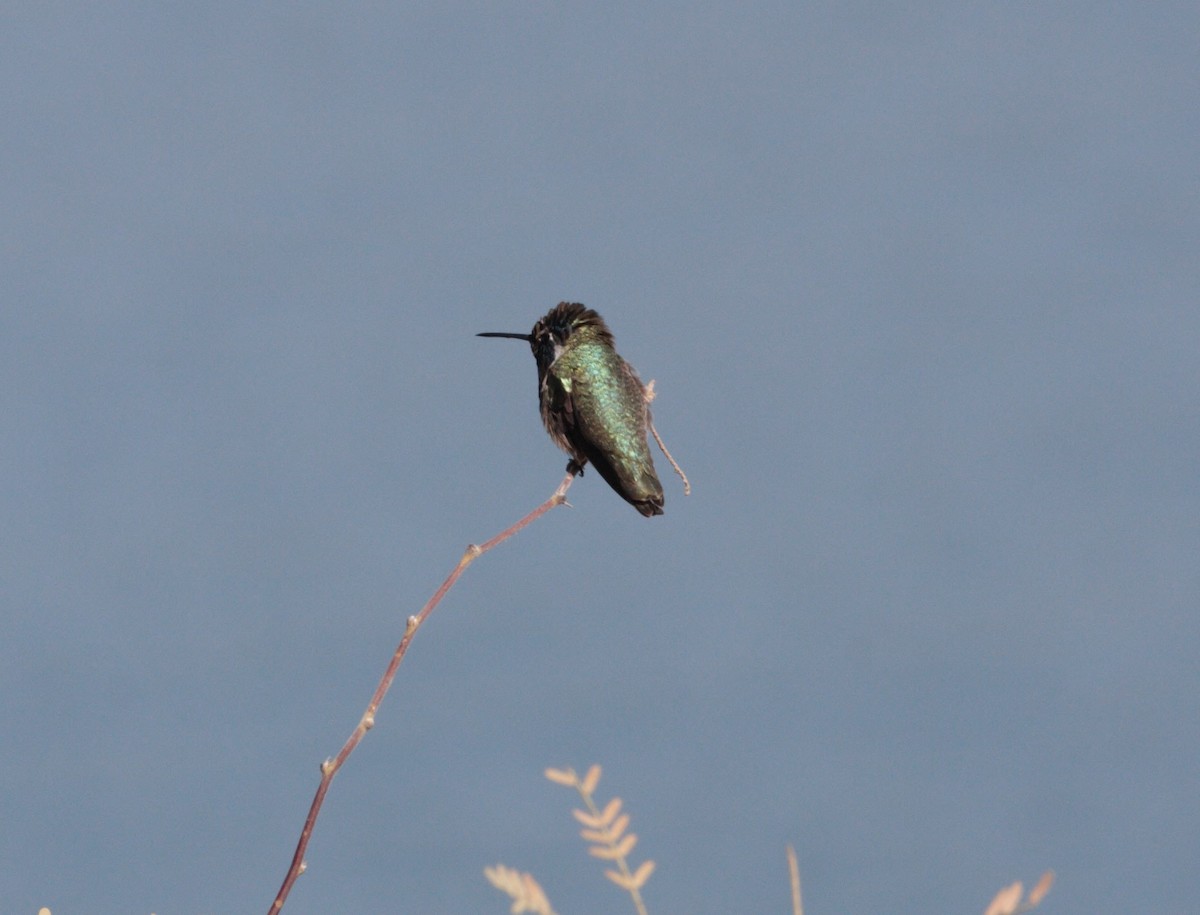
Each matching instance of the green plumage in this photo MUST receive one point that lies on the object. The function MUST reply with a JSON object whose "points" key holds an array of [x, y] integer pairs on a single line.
{"points": [[593, 404]]}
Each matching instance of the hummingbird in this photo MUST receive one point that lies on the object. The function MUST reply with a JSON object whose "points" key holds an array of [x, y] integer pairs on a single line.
{"points": [[592, 402]]}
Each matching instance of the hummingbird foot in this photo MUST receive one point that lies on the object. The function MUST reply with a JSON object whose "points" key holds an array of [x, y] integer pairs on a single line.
{"points": [[575, 468]]}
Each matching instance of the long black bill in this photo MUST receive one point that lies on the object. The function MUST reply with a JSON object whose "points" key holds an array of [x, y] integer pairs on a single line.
{"points": [[526, 337]]}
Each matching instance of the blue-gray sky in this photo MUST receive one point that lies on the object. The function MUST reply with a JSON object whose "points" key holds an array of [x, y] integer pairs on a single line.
{"points": [[920, 289]]}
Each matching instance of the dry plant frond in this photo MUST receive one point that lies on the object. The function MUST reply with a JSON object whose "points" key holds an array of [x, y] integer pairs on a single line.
{"points": [[526, 893], [794, 874], [565, 777], [613, 851], [612, 834], [634, 882], [598, 819], [1038, 893], [1008, 900], [605, 830], [591, 780]]}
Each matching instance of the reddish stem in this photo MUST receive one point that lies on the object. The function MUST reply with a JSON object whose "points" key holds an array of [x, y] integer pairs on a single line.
{"points": [[330, 767]]}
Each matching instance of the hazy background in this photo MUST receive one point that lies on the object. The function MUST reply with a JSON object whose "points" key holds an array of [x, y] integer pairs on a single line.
{"points": [[920, 290]]}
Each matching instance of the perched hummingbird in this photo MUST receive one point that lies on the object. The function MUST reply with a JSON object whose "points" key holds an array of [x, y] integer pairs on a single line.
{"points": [[593, 403]]}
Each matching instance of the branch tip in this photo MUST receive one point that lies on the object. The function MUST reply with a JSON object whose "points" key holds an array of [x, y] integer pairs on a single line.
{"points": [[330, 766]]}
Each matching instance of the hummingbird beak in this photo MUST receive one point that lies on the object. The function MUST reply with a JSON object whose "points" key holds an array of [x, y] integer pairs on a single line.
{"points": [[528, 338]]}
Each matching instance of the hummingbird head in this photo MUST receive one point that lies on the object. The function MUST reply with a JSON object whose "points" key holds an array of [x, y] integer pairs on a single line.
{"points": [[552, 332]]}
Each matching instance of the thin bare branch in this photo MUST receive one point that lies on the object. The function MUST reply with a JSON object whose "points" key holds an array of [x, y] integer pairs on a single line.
{"points": [[649, 395], [687, 486], [330, 767]]}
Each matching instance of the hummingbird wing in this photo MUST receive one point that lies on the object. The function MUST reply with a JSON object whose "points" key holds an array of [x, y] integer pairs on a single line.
{"points": [[605, 420], [558, 414]]}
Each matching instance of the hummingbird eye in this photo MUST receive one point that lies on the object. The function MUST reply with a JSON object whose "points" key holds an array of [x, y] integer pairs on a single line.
{"points": [[545, 348]]}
